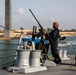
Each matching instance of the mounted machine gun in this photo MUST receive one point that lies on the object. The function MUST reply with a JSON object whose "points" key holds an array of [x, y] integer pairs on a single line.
{"points": [[41, 28], [43, 33]]}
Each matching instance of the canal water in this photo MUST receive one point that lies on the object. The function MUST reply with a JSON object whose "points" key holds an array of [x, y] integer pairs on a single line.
{"points": [[7, 52]]}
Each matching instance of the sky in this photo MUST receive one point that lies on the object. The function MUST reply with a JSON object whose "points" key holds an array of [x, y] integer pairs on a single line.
{"points": [[46, 11]]}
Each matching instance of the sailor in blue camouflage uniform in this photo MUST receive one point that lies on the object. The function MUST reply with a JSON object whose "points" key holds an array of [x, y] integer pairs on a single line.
{"points": [[54, 44]]}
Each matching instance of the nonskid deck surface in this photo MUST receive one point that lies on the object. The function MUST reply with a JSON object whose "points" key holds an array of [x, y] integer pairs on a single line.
{"points": [[65, 68]]}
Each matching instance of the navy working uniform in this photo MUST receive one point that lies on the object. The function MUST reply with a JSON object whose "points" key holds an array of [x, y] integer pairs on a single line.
{"points": [[54, 45]]}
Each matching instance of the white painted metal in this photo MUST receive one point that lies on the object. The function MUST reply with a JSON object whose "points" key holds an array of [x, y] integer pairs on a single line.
{"points": [[35, 58], [22, 58], [63, 55], [26, 46], [32, 69], [60, 53], [49, 63], [22, 64]]}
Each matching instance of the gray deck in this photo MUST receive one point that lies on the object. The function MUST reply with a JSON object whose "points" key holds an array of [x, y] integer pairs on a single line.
{"points": [[65, 68]]}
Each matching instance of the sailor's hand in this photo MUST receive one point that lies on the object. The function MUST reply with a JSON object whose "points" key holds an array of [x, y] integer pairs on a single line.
{"points": [[62, 38]]}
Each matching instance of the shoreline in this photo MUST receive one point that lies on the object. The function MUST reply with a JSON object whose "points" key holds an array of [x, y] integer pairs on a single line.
{"points": [[68, 34], [17, 35]]}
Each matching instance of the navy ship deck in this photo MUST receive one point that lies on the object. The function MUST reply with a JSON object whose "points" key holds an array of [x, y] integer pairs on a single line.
{"points": [[65, 68]]}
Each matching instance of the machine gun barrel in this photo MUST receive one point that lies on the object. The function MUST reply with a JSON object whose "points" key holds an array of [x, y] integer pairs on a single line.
{"points": [[36, 19], [42, 29]]}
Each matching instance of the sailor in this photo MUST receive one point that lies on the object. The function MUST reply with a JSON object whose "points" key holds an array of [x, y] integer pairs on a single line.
{"points": [[54, 44]]}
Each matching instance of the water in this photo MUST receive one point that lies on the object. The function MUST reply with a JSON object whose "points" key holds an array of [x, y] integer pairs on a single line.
{"points": [[71, 39], [8, 49], [70, 45], [7, 52]]}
